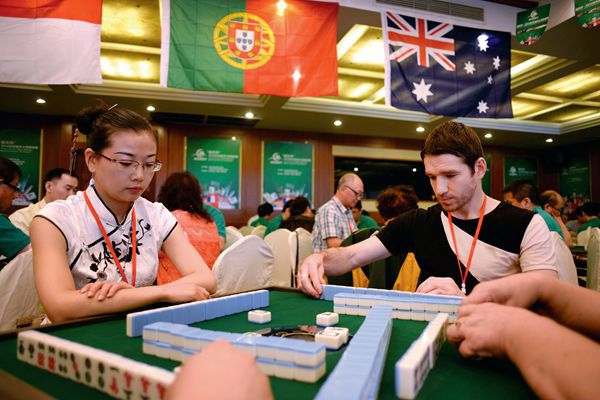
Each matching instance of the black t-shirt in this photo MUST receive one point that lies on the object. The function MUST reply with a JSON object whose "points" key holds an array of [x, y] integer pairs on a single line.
{"points": [[510, 240]]}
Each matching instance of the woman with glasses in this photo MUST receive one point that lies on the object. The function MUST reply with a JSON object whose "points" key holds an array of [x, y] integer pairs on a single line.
{"points": [[97, 252]]}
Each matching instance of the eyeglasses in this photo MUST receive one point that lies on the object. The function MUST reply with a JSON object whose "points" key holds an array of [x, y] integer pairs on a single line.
{"points": [[358, 195], [131, 166], [13, 187]]}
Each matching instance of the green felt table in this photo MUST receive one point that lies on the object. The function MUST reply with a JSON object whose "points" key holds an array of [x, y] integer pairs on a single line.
{"points": [[452, 376]]}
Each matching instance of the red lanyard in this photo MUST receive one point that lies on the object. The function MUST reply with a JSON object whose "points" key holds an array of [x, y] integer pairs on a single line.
{"points": [[464, 277], [109, 245]]}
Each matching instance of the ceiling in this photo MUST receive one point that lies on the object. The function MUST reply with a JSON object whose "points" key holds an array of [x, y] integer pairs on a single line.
{"points": [[555, 85]]}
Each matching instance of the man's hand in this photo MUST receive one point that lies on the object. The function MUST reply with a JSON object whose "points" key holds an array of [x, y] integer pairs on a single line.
{"points": [[445, 286], [310, 275], [485, 330]]}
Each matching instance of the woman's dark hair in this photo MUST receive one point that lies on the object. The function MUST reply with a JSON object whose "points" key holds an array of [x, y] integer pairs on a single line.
{"points": [[299, 205], [9, 170], [393, 201], [98, 123], [181, 191]]}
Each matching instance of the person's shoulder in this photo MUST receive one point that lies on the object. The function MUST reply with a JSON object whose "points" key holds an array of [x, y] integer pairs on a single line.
{"points": [[505, 210]]}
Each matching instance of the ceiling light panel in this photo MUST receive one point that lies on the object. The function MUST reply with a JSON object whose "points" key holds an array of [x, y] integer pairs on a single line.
{"points": [[567, 114], [574, 85], [136, 23], [367, 52], [128, 66]]}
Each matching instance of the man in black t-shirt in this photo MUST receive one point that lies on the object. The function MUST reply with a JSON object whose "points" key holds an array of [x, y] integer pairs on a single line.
{"points": [[492, 239]]}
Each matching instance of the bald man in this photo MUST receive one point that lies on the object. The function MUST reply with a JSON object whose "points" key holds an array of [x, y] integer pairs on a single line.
{"points": [[334, 221]]}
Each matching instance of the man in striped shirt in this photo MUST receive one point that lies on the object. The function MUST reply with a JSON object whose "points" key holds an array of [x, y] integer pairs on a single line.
{"points": [[334, 222]]}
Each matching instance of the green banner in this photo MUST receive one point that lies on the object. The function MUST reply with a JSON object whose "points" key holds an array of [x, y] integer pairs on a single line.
{"points": [[216, 164], [23, 147], [587, 13], [519, 168], [574, 181], [531, 24], [287, 172], [486, 182]]}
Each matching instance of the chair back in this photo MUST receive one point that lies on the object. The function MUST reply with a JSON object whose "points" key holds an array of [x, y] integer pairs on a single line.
{"points": [[300, 242], [282, 263], [245, 265], [18, 296], [564, 260], [259, 231], [593, 261], [251, 220], [233, 235], [246, 229], [583, 237]]}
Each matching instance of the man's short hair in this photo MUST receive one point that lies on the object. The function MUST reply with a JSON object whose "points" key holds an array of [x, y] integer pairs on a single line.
{"points": [[55, 173], [299, 205], [396, 200], [522, 188], [590, 208], [9, 170], [456, 139], [265, 209]]}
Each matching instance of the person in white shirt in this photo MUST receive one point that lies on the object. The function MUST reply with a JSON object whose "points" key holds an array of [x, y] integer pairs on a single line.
{"points": [[97, 251], [58, 184]]}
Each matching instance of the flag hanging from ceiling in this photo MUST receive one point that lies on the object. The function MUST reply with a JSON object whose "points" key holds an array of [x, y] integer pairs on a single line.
{"points": [[50, 41], [446, 69], [283, 48]]}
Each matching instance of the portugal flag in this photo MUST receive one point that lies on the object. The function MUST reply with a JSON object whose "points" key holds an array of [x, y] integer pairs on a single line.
{"points": [[50, 41], [283, 48]]}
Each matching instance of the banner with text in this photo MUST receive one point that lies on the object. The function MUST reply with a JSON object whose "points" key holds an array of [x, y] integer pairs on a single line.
{"points": [[519, 168], [23, 147], [574, 181], [287, 172], [216, 164], [531, 24], [587, 13]]}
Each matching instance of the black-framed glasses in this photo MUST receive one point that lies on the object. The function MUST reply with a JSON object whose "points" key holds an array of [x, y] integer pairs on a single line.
{"points": [[131, 166], [13, 187], [358, 194]]}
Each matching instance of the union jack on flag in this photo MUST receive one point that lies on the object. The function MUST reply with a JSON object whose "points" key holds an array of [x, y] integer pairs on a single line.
{"points": [[444, 69], [421, 41]]}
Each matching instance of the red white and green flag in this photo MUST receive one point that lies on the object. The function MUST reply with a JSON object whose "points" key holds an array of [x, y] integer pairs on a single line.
{"points": [[283, 48], [50, 41]]}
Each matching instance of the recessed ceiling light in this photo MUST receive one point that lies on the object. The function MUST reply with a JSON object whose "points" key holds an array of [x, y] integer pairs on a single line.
{"points": [[233, 138], [420, 129], [337, 122], [355, 169], [487, 136], [414, 170], [40, 101], [249, 115], [549, 140], [281, 5], [151, 108]]}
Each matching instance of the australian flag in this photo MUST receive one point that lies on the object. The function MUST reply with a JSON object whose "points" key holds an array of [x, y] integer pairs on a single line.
{"points": [[445, 69]]}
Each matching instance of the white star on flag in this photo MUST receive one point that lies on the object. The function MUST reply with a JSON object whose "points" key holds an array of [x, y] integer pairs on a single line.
{"points": [[490, 79], [482, 107], [482, 42], [496, 62], [422, 90], [469, 67]]}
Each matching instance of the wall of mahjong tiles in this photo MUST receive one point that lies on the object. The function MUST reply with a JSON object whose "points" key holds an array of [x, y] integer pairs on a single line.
{"points": [[452, 376]]}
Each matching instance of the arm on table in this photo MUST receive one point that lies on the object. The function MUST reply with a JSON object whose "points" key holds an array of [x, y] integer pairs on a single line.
{"points": [[220, 372], [338, 261], [56, 288], [554, 360], [570, 305]]}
